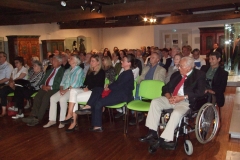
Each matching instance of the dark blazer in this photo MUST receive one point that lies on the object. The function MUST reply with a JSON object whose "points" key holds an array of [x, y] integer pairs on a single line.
{"points": [[194, 85], [57, 79], [168, 63], [219, 83]]}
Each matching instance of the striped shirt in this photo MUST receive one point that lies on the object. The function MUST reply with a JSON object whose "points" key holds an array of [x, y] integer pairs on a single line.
{"points": [[72, 77]]}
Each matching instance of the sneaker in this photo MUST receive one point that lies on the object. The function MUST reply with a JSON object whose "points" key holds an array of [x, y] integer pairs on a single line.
{"points": [[13, 108], [18, 116], [49, 124], [61, 125], [118, 115]]}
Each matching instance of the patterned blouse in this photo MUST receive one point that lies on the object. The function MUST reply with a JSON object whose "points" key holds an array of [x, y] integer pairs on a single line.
{"points": [[110, 74], [35, 79]]}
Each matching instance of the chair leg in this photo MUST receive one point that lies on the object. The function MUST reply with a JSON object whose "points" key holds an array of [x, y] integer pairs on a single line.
{"points": [[126, 121], [137, 121], [110, 115]]}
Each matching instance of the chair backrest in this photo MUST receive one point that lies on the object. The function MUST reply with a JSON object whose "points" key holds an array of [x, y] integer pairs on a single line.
{"points": [[134, 90], [106, 81], [150, 89]]}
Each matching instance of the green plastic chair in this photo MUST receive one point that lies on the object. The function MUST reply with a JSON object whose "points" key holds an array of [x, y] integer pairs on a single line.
{"points": [[149, 89], [119, 105], [34, 94], [11, 94]]}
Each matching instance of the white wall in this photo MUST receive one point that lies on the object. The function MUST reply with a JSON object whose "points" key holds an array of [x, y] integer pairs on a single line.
{"points": [[127, 37]]}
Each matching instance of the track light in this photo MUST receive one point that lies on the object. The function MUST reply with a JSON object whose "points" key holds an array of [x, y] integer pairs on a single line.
{"points": [[63, 3], [99, 9], [84, 6], [92, 8]]}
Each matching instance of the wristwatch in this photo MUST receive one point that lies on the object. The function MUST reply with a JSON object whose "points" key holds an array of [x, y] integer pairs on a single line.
{"points": [[185, 98], [69, 88]]}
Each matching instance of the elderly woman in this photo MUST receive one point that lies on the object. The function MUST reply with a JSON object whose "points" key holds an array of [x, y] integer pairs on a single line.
{"points": [[72, 78], [94, 78], [20, 72], [174, 68], [20, 93]]}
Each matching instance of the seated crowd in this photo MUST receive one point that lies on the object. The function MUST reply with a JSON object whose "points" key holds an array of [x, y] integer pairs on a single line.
{"points": [[103, 79]]}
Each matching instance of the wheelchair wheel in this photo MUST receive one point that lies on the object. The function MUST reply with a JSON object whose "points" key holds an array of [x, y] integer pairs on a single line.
{"points": [[206, 123], [188, 147]]}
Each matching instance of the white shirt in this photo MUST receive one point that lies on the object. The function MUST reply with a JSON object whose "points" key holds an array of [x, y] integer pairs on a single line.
{"points": [[135, 72], [16, 73], [181, 91], [52, 79], [5, 70], [199, 62], [115, 63]]}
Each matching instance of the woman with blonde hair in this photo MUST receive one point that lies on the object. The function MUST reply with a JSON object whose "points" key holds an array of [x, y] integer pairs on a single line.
{"points": [[94, 78], [108, 68]]}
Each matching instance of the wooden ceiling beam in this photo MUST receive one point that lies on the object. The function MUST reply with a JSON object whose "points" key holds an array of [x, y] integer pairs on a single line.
{"points": [[30, 6], [131, 8], [160, 21]]}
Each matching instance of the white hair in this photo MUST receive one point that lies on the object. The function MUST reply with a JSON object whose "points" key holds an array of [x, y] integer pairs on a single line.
{"points": [[59, 58], [189, 61]]}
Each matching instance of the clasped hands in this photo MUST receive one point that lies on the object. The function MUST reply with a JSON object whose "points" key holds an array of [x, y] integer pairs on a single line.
{"points": [[174, 99], [46, 88]]}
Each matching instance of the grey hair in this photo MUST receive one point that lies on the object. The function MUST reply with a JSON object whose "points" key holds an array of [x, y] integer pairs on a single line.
{"points": [[59, 58], [189, 61], [38, 63], [4, 54], [158, 54], [76, 58], [177, 49]]}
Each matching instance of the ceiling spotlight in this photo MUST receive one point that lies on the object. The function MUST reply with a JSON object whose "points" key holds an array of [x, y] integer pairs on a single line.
{"points": [[92, 8], [63, 3], [99, 9], [145, 19], [84, 6]]}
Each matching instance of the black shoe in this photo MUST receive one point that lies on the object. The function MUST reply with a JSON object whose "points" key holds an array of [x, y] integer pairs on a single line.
{"points": [[67, 121], [96, 130], [119, 115], [83, 111], [132, 122], [153, 148], [149, 137], [73, 129]]}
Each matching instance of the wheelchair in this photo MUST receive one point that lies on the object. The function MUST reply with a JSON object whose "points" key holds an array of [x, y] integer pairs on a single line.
{"points": [[202, 118]]}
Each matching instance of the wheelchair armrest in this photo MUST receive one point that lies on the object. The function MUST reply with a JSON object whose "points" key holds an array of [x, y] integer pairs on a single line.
{"points": [[199, 102]]}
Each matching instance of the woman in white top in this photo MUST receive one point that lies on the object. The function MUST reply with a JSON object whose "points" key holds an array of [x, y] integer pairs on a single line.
{"points": [[20, 72], [174, 68]]}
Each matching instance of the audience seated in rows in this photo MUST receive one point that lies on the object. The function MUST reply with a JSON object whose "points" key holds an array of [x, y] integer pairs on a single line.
{"points": [[121, 91], [94, 78], [72, 78], [49, 86], [21, 92], [20, 72], [175, 96]]}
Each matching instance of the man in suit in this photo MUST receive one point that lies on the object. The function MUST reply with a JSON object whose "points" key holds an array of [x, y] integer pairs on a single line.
{"points": [[216, 78], [50, 85], [184, 87]]}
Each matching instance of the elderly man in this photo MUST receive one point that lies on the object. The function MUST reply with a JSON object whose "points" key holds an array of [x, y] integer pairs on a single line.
{"points": [[5, 69], [50, 85], [186, 50], [184, 87]]}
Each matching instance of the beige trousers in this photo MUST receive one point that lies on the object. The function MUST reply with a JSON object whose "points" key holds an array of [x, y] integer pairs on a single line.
{"points": [[155, 111], [63, 99]]}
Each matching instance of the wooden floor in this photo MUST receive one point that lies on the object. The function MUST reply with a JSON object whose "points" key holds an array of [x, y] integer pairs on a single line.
{"points": [[18, 141]]}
